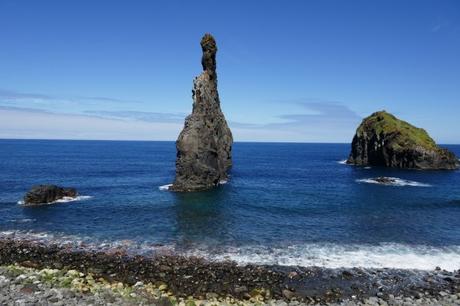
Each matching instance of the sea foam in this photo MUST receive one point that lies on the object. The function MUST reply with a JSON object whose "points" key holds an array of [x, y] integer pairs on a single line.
{"points": [[63, 200], [326, 255], [73, 199], [25, 220], [399, 256], [393, 181], [165, 187]]}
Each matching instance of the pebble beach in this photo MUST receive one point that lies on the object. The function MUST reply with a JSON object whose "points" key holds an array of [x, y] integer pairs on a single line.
{"points": [[48, 274]]}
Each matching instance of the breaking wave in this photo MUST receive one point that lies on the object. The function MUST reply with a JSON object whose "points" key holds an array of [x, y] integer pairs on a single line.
{"points": [[25, 220], [342, 162], [165, 187], [71, 199], [392, 181], [326, 255], [389, 255], [63, 200]]}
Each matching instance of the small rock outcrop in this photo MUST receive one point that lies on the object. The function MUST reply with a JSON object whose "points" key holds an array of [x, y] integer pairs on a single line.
{"points": [[44, 194], [384, 140], [204, 146], [384, 180]]}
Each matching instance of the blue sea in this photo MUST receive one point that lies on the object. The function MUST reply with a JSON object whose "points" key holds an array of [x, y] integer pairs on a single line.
{"points": [[285, 203]]}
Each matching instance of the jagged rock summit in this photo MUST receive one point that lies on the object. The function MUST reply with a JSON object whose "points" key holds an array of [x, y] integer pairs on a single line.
{"points": [[204, 146], [384, 140]]}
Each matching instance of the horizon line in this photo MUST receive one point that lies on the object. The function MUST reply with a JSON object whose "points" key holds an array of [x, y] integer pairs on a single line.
{"points": [[152, 140]]}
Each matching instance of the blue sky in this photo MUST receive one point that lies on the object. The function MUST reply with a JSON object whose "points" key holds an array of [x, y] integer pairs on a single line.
{"points": [[305, 71]]}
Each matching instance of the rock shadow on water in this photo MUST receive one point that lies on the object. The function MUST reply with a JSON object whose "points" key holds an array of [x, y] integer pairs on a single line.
{"points": [[202, 218], [455, 202]]}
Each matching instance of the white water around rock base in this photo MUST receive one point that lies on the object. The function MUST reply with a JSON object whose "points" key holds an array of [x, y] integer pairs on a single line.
{"points": [[63, 200]]}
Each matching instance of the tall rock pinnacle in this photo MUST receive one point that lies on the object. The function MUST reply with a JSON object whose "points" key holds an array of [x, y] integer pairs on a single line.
{"points": [[205, 144], [208, 60]]}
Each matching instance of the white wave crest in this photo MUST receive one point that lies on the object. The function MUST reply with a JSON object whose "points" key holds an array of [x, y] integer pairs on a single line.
{"points": [[327, 255], [77, 242], [342, 162], [398, 256], [25, 220], [63, 200], [73, 199], [392, 181], [165, 187]]}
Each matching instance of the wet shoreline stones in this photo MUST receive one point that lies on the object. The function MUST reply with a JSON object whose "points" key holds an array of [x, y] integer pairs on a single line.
{"points": [[200, 278], [29, 286]]}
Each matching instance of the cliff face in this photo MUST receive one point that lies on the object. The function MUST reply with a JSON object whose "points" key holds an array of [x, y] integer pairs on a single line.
{"points": [[384, 140], [205, 144]]}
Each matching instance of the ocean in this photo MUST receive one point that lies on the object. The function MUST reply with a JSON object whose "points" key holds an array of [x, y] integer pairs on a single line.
{"points": [[285, 203]]}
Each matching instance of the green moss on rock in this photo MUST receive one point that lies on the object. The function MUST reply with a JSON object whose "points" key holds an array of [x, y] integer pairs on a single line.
{"points": [[404, 134], [384, 140]]}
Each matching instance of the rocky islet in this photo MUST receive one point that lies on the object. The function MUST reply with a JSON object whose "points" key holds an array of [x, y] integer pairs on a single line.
{"points": [[45, 194], [384, 140]]}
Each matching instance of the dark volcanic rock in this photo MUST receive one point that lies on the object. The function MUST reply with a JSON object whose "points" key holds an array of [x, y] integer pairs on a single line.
{"points": [[204, 146], [43, 194], [384, 140], [191, 276], [384, 180]]}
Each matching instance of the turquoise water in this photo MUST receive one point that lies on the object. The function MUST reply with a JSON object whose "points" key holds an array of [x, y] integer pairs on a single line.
{"points": [[284, 203]]}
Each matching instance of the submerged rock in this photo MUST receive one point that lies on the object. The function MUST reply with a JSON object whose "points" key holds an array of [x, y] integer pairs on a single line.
{"points": [[204, 146], [384, 140], [385, 180], [44, 194]]}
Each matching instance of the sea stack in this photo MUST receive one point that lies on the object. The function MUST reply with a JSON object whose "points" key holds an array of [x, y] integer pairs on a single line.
{"points": [[45, 194], [384, 140], [204, 146]]}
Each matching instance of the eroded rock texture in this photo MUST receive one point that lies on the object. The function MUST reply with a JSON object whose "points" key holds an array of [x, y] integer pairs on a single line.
{"points": [[205, 144], [44, 194], [384, 140]]}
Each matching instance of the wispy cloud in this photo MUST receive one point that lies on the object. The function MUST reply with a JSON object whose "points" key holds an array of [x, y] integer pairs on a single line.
{"points": [[17, 122], [314, 120], [150, 117], [140, 116], [14, 95], [333, 114], [319, 121], [106, 99], [439, 26], [316, 113], [23, 109], [243, 125], [10, 95]]}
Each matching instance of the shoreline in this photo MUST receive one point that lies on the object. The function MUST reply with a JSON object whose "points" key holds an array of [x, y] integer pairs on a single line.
{"points": [[198, 278]]}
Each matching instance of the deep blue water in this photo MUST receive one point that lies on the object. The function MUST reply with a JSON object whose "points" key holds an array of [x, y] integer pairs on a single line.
{"points": [[284, 203]]}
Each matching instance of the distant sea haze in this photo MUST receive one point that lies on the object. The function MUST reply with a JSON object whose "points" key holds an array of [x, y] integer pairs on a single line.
{"points": [[285, 203]]}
